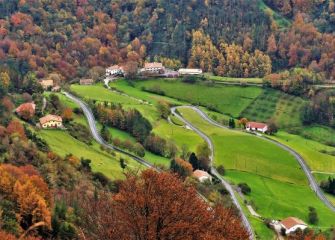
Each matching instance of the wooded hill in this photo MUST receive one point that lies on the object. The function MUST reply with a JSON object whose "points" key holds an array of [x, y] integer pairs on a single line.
{"points": [[72, 37]]}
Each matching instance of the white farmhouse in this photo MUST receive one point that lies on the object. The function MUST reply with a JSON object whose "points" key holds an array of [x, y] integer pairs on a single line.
{"points": [[189, 71], [255, 126], [114, 71], [153, 68], [202, 176], [292, 224]]}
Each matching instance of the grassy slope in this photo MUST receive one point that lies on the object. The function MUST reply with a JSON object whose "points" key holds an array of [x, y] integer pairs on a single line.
{"points": [[162, 128], [62, 143], [310, 151], [277, 182], [227, 99]]}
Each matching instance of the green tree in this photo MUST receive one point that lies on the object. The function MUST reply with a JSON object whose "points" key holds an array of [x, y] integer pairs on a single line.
{"points": [[313, 217]]}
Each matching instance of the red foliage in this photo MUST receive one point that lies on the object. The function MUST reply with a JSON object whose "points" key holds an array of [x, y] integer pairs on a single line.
{"points": [[16, 127]]}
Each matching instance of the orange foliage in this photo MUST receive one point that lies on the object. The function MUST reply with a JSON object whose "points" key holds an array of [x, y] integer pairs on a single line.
{"points": [[67, 114], [158, 206], [29, 193]]}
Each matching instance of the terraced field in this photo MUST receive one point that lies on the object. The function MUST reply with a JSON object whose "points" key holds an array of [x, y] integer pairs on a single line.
{"points": [[284, 109]]}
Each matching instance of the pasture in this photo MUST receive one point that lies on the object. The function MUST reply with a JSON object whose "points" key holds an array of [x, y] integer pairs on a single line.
{"points": [[230, 100], [63, 144], [275, 177], [233, 80], [311, 151]]}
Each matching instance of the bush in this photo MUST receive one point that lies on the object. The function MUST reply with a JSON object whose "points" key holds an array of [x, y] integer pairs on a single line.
{"points": [[313, 216], [245, 189], [221, 170], [101, 178]]}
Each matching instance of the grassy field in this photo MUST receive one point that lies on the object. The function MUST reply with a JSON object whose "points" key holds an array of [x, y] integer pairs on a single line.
{"points": [[272, 104], [233, 80], [231, 100], [323, 134], [275, 177], [178, 134], [310, 150], [62, 143]]}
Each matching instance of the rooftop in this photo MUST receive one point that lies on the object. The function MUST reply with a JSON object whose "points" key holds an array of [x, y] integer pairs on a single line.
{"points": [[153, 65], [291, 222], [200, 174], [256, 125], [49, 118]]}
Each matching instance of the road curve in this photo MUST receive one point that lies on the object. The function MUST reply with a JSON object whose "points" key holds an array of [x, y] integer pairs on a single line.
{"points": [[214, 171], [312, 182], [96, 135]]}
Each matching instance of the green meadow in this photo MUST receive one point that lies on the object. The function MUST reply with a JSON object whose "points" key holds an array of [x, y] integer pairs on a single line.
{"points": [[231, 100], [310, 150], [275, 177], [63, 144], [233, 80]]}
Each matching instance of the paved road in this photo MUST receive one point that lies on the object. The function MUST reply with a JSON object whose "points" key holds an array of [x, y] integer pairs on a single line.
{"points": [[96, 135], [214, 171], [312, 182]]}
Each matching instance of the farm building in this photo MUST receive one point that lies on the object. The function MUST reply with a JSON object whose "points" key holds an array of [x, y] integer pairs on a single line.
{"points": [[26, 110], [202, 176], [189, 71], [255, 126], [51, 121], [47, 83], [153, 67], [87, 81], [114, 70], [292, 224]]}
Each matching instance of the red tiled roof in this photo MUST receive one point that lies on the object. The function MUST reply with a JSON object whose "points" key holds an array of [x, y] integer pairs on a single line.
{"points": [[200, 173], [153, 65], [291, 222], [31, 106], [256, 125], [49, 118]]}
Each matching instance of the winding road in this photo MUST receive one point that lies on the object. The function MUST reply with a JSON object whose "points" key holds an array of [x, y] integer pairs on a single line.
{"points": [[96, 135], [312, 182], [213, 169]]}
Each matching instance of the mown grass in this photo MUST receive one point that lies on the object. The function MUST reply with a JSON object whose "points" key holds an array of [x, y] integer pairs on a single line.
{"points": [[284, 109], [231, 100], [62, 143], [277, 200], [233, 80], [310, 150], [275, 177], [319, 133], [245, 152]]}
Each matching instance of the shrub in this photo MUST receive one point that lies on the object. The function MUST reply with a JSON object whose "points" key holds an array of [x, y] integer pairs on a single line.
{"points": [[245, 189]]}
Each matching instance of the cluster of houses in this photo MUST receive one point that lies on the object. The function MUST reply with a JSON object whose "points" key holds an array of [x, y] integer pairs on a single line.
{"points": [[153, 68], [48, 121]]}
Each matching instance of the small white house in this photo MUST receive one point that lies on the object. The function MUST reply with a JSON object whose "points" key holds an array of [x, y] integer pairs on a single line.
{"points": [[292, 224], [255, 126], [202, 176], [114, 70], [189, 71]]}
